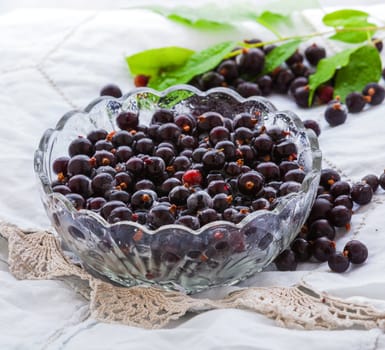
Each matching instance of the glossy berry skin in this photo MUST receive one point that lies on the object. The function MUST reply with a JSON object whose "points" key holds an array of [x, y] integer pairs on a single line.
{"points": [[339, 188], [372, 180], [111, 90], [192, 177], [329, 177], [160, 215], [228, 69], [374, 93], [211, 80], [199, 200], [338, 262], [356, 251], [314, 54], [362, 193], [248, 89], [188, 221], [312, 124], [60, 165], [251, 61], [127, 120], [335, 113], [301, 96], [265, 84], [250, 183], [340, 216], [81, 145], [286, 261], [323, 248], [302, 249], [321, 228], [355, 102]]}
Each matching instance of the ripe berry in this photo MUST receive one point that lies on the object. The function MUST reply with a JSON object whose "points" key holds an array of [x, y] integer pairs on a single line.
{"points": [[301, 96], [312, 124], [248, 89], [335, 113], [356, 251], [286, 261], [192, 177], [374, 93], [314, 54], [111, 90], [251, 61], [355, 102], [323, 248], [211, 80], [362, 193], [338, 262], [372, 180], [141, 80]]}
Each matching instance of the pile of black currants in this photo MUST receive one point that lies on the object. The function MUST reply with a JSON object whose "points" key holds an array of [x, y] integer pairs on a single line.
{"points": [[187, 169], [332, 211]]}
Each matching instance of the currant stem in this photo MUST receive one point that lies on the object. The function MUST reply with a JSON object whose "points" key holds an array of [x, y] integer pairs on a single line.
{"points": [[301, 37]]}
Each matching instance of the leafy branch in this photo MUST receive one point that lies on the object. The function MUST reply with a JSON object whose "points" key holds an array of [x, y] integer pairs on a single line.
{"points": [[351, 68]]}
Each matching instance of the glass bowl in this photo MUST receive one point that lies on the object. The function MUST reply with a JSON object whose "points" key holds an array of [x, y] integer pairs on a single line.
{"points": [[174, 256]]}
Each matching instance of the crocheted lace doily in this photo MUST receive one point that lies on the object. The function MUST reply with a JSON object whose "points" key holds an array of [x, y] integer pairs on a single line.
{"points": [[37, 255]]}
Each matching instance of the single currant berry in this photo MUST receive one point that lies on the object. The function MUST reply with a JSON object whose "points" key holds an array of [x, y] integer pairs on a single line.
{"points": [[297, 82], [301, 96], [286, 261], [111, 90], [329, 177], [141, 80], [127, 120], [338, 262], [374, 93], [355, 102], [302, 249], [265, 84], [325, 93], [372, 180], [296, 57], [312, 124], [323, 248], [192, 177], [248, 89], [211, 80], [362, 193], [336, 113], [314, 54], [356, 251], [228, 69], [251, 61]]}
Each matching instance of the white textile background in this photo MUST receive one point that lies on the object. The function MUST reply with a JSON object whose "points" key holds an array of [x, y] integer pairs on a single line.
{"points": [[54, 60]]}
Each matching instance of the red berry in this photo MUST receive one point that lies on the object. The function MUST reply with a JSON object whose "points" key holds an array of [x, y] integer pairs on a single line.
{"points": [[141, 80], [192, 177], [325, 93]]}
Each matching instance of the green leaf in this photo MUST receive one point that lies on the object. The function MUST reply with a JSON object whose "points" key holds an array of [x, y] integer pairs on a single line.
{"points": [[198, 63], [326, 69], [203, 24], [354, 37], [206, 17], [342, 18], [151, 62], [364, 67], [278, 55], [273, 21]]}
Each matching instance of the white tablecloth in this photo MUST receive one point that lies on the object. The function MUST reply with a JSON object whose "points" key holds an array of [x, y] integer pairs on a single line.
{"points": [[54, 60]]}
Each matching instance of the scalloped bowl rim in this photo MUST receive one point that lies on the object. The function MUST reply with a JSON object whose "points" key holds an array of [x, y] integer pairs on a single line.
{"points": [[40, 154]]}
